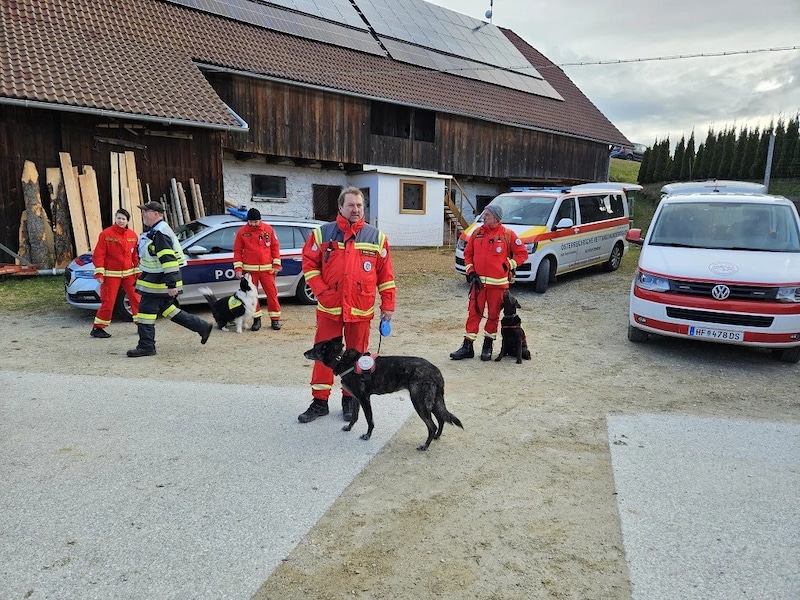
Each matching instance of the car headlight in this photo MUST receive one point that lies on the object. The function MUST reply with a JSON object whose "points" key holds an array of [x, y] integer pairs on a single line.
{"points": [[83, 274], [531, 248], [652, 283], [461, 244], [788, 294]]}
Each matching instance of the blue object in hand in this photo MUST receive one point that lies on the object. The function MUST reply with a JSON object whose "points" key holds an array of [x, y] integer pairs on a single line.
{"points": [[385, 327]]}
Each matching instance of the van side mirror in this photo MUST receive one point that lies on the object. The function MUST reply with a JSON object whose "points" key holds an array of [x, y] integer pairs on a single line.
{"points": [[564, 223], [634, 236]]}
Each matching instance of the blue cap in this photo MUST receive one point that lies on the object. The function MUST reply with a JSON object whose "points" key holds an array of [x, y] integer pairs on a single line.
{"points": [[385, 327]]}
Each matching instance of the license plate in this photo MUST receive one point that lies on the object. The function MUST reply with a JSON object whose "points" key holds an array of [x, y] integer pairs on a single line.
{"points": [[716, 334]]}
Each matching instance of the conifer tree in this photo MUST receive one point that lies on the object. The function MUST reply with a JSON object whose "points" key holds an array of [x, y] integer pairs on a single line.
{"points": [[740, 146], [687, 163], [677, 160]]}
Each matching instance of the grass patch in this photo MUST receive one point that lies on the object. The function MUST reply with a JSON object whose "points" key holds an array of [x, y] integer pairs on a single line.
{"points": [[33, 294], [624, 171]]}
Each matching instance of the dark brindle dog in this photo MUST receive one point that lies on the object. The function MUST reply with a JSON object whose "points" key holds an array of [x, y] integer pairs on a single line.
{"points": [[514, 342], [422, 379]]}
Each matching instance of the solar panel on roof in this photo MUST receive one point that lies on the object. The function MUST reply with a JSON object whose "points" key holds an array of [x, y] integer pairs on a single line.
{"points": [[352, 34]]}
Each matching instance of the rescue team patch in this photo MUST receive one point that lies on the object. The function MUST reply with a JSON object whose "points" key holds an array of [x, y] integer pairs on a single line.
{"points": [[369, 253], [314, 248], [498, 249], [518, 242], [367, 266], [234, 302], [383, 253]]}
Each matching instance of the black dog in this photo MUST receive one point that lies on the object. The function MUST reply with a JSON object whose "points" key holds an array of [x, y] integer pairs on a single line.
{"points": [[238, 308], [514, 342], [388, 374]]}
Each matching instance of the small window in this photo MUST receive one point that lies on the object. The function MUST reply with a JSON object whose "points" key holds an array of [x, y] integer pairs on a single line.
{"points": [[268, 186], [412, 196]]}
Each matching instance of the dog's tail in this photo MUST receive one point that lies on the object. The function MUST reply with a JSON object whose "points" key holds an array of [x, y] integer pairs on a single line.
{"points": [[208, 295], [451, 418]]}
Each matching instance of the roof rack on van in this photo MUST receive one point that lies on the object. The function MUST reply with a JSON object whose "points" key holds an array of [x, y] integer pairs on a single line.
{"points": [[719, 186], [527, 188]]}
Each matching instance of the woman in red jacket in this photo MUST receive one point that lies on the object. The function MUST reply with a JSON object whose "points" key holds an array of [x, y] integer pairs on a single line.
{"points": [[116, 263]]}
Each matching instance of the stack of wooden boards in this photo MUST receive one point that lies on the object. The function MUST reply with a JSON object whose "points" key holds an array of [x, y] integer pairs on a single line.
{"points": [[75, 206]]}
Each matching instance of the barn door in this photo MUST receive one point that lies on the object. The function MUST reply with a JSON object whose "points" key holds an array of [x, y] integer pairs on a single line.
{"points": [[325, 202]]}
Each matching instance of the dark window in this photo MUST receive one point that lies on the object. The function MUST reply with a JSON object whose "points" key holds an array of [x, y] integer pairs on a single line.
{"points": [[600, 208], [404, 122], [412, 196], [268, 186]]}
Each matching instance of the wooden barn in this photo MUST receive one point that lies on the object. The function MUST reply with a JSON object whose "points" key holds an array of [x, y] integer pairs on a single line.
{"points": [[277, 104]]}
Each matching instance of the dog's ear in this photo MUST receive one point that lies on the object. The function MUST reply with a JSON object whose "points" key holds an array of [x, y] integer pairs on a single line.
{"points": [[517, 304]]}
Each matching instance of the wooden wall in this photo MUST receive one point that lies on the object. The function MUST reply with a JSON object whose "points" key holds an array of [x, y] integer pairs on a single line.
{"points": [[290, 121], [39, 135]]}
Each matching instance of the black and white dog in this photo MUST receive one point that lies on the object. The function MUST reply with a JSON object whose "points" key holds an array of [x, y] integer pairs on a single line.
{"points": [[384, 375], [514, 342], [237, 308]]}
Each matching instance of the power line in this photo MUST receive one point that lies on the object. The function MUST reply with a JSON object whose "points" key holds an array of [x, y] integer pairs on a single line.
{"points": [[677, 57]]}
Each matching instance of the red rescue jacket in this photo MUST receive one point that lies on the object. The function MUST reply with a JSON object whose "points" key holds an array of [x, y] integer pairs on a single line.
{"points": [[256, 249], [116, 253], [344, 265], [493, 254]]}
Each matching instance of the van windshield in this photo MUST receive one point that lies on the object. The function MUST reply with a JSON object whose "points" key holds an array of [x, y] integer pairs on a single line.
{"points": [[727, 226], [525, 210]]}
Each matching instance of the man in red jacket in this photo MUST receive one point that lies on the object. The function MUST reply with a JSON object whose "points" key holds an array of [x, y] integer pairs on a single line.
{"points": [[116, 262], [256, 250], [492, 253], [345, 262]]}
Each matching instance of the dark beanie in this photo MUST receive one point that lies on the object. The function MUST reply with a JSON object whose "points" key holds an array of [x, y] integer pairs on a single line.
{"points": [[253, 215]]}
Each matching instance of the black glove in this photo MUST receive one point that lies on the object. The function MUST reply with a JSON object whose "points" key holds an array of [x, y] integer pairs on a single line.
{"points": [[473, 278]]}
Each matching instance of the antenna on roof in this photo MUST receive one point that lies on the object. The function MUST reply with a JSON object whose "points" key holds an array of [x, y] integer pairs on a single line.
{"points": [[489, 12]]}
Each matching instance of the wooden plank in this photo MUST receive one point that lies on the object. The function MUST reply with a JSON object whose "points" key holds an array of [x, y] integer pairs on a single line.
{"points": [[133, 190], [124, 194], [200, 200], [76, 215], [115, 193], [173, 188], [184, 204], [193, 196], [91, 204], [62, 240]]}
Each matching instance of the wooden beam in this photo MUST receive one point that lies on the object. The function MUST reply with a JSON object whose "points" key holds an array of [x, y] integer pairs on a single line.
{"points": [[91, 204], [76, 215]]}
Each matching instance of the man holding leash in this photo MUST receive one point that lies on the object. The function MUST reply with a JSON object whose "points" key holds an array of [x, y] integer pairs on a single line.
{"points": [[160, 260], [256, 250], [492, 253], [345, 262]]}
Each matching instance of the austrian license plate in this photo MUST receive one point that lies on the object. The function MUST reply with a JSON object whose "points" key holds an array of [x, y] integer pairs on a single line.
{"points": [[716, 334]]}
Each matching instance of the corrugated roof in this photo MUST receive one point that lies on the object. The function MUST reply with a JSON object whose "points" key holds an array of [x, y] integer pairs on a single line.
{"points": [[138, 57]]}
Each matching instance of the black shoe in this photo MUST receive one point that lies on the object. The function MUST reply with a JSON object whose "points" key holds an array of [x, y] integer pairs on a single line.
{"points": [[276, 325], [347, 407], [97, 332], [137, 352], [256, 324], [465, 351], [318, 408], [206, 333]]}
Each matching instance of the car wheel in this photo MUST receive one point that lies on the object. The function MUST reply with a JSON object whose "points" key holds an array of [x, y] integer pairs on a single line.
{"points": [[613, 262], [122, 307], [542, 276], [790, 355], [304, 294], [637, 336]]}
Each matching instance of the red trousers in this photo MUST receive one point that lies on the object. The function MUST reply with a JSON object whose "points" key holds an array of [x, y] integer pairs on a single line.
{"points": [[267, 281], [108, 297], [356, 335], [489, 298]]}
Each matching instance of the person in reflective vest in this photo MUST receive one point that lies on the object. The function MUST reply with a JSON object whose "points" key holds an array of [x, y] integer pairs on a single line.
{"points": [[256, 250], [492, 254], [116, 264], [160, 261], [345, 263]]}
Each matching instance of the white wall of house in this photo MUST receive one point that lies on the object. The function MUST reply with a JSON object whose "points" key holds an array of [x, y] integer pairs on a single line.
{"points": [[299, 201], [404, 229], [473, 190]]}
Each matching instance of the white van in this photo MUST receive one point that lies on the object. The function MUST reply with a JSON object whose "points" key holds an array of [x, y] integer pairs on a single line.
{"points": [[716, 186], [564, 229], [721, 268]]}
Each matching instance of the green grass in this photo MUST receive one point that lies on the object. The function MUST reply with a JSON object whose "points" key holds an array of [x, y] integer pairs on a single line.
{"points": [[34, 294], [626, 171]]}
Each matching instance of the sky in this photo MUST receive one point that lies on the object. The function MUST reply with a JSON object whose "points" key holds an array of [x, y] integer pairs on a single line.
{"points": [[649, 100]]}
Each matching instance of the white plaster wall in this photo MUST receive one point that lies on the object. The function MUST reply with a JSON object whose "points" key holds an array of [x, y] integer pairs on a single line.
{"points": [[474, 190], [299, 181]]}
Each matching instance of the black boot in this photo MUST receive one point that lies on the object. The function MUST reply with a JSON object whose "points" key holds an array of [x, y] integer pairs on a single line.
{"points": [[147, 341], [486, 351], [193, 323], [465, 351], [256, 324], [318, 408], [99, 332]]}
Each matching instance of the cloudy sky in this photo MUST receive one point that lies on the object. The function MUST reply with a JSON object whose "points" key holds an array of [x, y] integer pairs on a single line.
{"points": [[655, 99]]}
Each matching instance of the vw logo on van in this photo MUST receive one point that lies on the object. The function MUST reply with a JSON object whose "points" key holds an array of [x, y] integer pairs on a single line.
{"points": [[723, 268], [720, 292]]}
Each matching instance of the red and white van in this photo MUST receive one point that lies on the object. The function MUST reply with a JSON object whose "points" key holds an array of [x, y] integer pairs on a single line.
{"points": [[720, 267]]}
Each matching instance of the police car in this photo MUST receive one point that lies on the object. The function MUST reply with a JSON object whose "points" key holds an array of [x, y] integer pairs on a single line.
{"points": [[208, 246]]}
